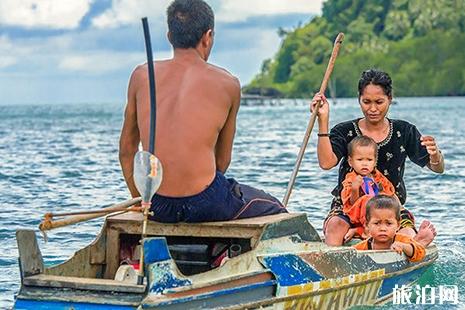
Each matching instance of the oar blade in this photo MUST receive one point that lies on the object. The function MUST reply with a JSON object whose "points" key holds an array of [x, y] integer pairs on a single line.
{"points": [[148, 174]]}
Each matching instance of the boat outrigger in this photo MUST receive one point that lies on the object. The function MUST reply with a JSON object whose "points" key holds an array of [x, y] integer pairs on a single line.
{"points": [[276, 262]]}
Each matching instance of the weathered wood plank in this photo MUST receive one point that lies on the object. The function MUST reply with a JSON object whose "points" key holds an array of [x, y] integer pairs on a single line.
{"points": [[87, 262], [69, 296], [30, 258], [197, 231], [250, 228], [82, 283], [98, 248], [291, 226], [112, 252], [248, 222]]}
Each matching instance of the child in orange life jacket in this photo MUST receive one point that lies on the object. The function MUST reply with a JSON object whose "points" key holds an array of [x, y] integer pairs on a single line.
{"points": [[364, 182], [383, 216]]}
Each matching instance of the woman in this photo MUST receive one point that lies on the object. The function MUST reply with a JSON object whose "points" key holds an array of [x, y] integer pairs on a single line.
{"points": [[396, 141]]}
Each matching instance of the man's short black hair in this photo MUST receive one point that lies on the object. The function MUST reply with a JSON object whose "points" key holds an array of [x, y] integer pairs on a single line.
{"points": [[188, 21]]}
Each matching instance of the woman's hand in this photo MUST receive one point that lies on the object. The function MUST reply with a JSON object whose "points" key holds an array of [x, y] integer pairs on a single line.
{"points": [[323, 110], [436, 162], [326, 157], [431, 147]]}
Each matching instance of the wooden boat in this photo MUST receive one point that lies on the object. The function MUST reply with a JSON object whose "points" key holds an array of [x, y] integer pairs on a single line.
{"points": [[283, 264]]}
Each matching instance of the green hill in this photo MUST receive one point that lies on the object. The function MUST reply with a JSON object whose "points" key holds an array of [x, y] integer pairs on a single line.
{"points": [[420, 43]]}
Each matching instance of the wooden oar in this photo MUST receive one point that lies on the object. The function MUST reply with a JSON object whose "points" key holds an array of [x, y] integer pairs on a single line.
{"points": [[77, 217], [311, 123]]}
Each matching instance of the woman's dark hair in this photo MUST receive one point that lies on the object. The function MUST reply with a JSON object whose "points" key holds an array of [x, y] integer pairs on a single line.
{"points": [[375, 77], [362, 141], [383, 202], [188, 20]]}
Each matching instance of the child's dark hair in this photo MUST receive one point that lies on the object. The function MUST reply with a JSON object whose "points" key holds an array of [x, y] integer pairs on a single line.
{"points": [[362, 141], [383, 202], [375, 77]]}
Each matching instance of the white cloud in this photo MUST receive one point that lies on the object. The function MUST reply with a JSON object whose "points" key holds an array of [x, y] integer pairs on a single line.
{"points": [[5, 43], [124, 12], [102, 62], [32, 52], [240, 10], [56, 14], [7, 50], [7, 61]]}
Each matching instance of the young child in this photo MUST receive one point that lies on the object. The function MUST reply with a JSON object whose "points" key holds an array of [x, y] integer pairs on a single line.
{"points": [[364, 182], [383, 216]]}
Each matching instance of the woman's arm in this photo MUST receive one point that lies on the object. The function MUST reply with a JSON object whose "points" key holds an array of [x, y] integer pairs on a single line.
{"points": [[326, 157], [423, 150]]}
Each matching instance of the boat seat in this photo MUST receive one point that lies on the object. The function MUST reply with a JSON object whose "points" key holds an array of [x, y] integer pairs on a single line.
{"points": [[249, 228], [82, 283], [253, 229]]}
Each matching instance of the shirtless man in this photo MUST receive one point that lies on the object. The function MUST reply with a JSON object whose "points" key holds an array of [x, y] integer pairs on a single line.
{"points": [[197, 105]]}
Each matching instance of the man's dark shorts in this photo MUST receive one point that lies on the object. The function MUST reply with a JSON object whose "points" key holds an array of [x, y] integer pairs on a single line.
{"points": [[224, 199]]}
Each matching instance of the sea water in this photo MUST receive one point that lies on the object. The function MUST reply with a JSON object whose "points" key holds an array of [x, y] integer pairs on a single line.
{"points": [[63, 158]]}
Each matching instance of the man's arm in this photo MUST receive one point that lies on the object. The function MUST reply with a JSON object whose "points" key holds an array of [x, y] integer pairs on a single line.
{"points": [[129, 139], [224, 145]]}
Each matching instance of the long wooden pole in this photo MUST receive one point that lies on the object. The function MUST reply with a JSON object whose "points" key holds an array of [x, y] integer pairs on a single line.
{"points": [[311, 123], [48, 224]]}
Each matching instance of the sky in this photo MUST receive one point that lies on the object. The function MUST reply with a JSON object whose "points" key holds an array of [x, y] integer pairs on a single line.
{"points": [[83, 51]]}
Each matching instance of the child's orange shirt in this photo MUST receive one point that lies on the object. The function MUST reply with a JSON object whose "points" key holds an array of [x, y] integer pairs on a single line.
{"points": [[357, 211], [419, 251]]}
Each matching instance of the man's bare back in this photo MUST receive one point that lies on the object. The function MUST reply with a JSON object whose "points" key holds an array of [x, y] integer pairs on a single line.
{"points": [[197, 105]]}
